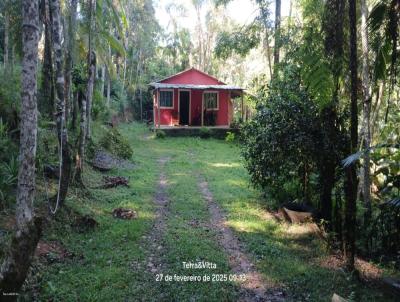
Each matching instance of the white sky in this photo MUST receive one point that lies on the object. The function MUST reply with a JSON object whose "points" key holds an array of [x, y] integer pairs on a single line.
{"points": [[242, 11]]}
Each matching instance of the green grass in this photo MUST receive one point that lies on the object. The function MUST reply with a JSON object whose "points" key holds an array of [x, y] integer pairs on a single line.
{"points": [[285, 255]]}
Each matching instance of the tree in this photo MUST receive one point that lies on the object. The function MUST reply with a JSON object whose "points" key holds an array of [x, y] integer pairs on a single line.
{"points": [[366, 127], [277, 33], [329, 160], [16, 264], [60, 102], [91, 68], [47, 87], [69, 56], [351, 181]]}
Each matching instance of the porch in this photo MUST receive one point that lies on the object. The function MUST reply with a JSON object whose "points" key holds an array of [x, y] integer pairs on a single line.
{"points": [[218, 132]]}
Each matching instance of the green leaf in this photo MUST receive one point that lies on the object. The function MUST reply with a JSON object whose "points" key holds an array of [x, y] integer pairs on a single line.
{"points": [[114, 43]]}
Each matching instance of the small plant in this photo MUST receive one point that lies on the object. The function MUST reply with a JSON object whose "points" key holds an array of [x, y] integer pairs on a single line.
{"points": [[236, 123], [8, 180], [205, 132], [160, 134], [230, 137], [115, 143]]}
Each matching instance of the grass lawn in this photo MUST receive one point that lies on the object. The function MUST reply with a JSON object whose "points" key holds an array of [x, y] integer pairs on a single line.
{"points": [[103, 267]]}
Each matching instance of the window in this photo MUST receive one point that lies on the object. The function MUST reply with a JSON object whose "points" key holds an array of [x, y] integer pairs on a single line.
{"points": [[166, 99], [211, 100]]}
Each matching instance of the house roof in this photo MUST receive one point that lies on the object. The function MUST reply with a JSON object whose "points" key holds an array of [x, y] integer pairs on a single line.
{"points": [[193, 79], [190, 86], [193, 75]]}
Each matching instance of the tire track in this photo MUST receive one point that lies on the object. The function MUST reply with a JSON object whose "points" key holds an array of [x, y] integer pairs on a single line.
{"points": [[254, 287]]}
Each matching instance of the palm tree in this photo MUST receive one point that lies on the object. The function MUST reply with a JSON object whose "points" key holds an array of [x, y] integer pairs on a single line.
{"points": [[15, 266], [351, 173]]}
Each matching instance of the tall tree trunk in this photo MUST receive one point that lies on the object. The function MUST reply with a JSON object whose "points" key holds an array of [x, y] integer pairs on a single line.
{"points": [[60, 102], [379, 97], [6, 37], [329, 161], [333, 28], [108, 88], [16, 264], [103, 80], [277, 33], [91, 70], [351, 173], [366, 111], [75, 108], [109, 78], [89, 94], [265, 14], [82, 142], [47, 70], [70, 47]]}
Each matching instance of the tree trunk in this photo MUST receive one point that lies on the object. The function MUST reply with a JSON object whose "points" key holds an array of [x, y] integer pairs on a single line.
{"points": [[16, 264], [103, 80], [70, 47], [75, 108], [60, 102], [89, 94], [264, 13], [108, 88], [351, 173], [366, 112], [91, 70], [82, 142], [379, 97], [47, 70], [277, 33]]}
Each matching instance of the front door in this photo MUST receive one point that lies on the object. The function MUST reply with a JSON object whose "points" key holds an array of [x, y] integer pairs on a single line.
{"points": [[184, 101]]}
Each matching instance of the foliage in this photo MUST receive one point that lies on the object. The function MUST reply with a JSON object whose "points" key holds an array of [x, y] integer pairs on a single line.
{"points": [[99, 109], [230, 137], [114, 142], [240, 41], [205, 132], [10, 96], [8, 165], [8, 180], [283, 137], [160, 134]]}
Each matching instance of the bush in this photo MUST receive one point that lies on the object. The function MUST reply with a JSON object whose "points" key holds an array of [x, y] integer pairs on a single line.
{"points": [[230, 137], [281, 143], [205, 132], [116, 144], [160, 134], [236, 123]]}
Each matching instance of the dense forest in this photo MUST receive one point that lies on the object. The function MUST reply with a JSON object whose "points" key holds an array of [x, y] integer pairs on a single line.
{"points": [[321, 131]]}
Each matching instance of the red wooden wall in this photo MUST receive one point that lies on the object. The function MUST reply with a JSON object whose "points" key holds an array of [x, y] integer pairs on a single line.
{"points": [[170, 117]]}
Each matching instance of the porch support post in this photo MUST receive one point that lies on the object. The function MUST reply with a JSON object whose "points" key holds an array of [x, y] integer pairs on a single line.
{"points": [[202, 110], [158, 111], [242, 108], [154, 112]]}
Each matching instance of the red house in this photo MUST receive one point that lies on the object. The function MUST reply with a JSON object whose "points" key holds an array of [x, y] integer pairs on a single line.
{"points": [[193, 98]]}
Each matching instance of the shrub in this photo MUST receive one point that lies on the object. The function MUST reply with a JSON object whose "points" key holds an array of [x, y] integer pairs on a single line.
{"points": [[281, 143], [116, 144], [8, 180], [235, 124], [230, 137], [160, 134], [205, 132]]}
